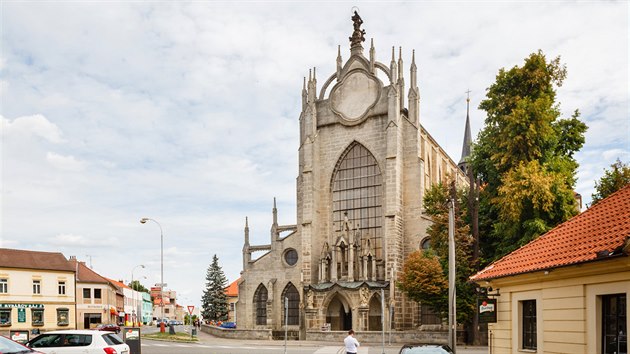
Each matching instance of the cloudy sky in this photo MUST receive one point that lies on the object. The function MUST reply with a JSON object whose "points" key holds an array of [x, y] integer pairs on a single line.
{"points": [[187, 113]]}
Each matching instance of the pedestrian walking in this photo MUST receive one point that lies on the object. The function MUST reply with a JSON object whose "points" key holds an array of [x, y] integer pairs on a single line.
{"points": [[351, 343]]}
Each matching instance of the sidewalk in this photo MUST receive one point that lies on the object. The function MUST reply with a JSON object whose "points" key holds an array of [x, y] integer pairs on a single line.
{"points": [[205, 338]]}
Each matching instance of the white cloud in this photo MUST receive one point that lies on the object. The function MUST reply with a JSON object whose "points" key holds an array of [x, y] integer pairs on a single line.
{"points": [[28, 126], [67, 163]]}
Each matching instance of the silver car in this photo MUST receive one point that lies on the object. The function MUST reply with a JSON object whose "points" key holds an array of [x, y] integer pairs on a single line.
{"points": [[79, 341]]}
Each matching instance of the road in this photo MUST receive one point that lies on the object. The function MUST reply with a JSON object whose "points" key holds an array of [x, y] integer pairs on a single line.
{"points": [[212, 345]]}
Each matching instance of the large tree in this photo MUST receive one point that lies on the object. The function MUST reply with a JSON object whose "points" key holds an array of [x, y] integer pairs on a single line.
{"points": [[425, 274], [612, 180], [214, 304], [524, 157]]}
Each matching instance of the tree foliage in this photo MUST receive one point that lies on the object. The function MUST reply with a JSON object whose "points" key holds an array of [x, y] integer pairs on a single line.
{"points": [[425, 275], [612, 180], [214, 303], [524, 157], [135, 285]]}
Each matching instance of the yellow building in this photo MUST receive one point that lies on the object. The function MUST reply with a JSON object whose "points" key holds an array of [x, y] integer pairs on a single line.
{"points": [[566, 291], [37, 291]]}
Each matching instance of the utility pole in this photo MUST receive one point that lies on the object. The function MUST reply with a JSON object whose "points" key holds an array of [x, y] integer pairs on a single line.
{"points": [[452, 318]]}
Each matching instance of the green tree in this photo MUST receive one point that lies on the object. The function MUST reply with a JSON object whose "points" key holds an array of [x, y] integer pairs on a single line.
{"points": [[612, 180], [135, 285], [425, 275], [214, 304], [524, 157]]}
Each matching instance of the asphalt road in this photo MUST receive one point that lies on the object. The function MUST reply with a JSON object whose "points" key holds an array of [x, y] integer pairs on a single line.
{"points": [[208, 344]]}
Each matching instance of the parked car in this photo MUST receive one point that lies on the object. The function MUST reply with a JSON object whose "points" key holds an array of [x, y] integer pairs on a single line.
{"points": [[75, 341], [425, 349], [111, 327], [8, 346], [171, 323]]}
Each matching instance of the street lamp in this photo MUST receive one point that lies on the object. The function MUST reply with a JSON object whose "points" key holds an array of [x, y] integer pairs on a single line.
{"points": [[143, 221], [133, 294]]}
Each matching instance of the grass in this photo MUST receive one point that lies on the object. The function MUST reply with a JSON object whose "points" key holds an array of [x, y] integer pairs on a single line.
{"points": [[177, 337]]}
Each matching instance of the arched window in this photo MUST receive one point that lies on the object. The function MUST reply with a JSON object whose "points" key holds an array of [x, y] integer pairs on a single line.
{"points": [[292, 294], [425, 244], [260, 303], [357, 190]]}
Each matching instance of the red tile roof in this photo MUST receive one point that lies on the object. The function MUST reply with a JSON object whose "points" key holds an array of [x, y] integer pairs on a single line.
{"points": [[232, 289], [85, 274], [596, 234], [10, 258]]}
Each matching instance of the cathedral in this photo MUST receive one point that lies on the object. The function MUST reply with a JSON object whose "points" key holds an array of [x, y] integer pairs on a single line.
{"points": [[364, 164]]}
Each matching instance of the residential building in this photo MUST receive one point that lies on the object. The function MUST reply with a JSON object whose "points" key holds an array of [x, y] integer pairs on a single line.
{"points": [[147, 308], [364, 164], [37, 290], [96, 297], [566, 291], [232, 297], [169, 301]]}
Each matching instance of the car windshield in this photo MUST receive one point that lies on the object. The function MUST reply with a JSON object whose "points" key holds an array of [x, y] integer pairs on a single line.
{"points": [[424, 350], [9, 347]]}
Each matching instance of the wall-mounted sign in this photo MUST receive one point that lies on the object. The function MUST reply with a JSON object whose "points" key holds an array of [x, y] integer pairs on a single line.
{"points": [[487, 310], [22, 306], [19, 336], [21, 315]]}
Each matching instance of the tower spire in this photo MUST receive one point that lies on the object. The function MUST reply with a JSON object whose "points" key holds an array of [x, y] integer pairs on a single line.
{"points": [[463, 163]]}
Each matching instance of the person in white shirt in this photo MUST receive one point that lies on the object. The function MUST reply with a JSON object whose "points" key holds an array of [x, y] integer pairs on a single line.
{"points": [[351, 343]]}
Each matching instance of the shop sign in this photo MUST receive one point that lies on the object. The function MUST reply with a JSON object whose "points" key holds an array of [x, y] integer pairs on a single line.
{"points": [[487, 310], [21, 315], [22, 306]]}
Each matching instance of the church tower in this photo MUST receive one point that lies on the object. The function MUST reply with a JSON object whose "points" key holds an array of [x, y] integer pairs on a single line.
{"points": [[363, 158]]}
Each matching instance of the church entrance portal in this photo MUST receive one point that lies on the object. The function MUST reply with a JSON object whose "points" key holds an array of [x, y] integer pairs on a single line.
{"points": [[339, 314]]}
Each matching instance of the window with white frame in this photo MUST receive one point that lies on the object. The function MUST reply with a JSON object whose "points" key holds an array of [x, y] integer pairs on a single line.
{"points": [[62, 287], [4, 285], [37, 287], [528, 325]]}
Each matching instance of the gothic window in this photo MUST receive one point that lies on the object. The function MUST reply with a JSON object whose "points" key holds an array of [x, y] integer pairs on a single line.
{"points": [[260, 303], [357, 190], [291, 293]]}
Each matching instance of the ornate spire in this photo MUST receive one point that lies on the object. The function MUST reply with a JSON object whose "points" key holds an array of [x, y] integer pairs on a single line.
{"points": [[358, 35], [463, 163]]}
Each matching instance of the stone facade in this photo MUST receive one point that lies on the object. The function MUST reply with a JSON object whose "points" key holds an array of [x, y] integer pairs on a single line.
{"points": [[364, 163]]}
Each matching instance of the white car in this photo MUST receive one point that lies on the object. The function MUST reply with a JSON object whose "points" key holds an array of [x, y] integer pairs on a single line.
{"points": [[79, 341]]}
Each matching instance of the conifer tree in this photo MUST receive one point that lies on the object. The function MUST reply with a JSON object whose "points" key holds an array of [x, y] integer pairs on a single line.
{"points": [[214, 304]]}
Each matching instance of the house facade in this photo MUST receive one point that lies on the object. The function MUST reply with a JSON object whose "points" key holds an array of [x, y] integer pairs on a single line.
{"points": [[364, 164], [96, 297], [567, 291], [37, 291]]}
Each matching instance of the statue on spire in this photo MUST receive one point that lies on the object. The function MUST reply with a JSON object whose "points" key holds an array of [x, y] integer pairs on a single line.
{"points": [[358, 35]]}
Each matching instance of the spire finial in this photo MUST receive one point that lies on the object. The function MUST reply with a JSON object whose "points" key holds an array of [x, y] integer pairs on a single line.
{"points": [[358, 35], [309, 75], [246, 222], [304, 84], [413, 57], [400, 53], [314, 73]]}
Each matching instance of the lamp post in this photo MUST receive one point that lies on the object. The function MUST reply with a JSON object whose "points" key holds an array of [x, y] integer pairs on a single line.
{"points": [[133, 294], [143, 221]]}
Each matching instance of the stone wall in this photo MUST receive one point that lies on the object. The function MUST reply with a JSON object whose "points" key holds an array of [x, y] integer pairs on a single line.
{"points": [[233, 333]]}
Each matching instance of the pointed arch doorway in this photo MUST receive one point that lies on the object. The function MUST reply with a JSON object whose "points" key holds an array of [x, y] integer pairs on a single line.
{"points": [[339, 314]]}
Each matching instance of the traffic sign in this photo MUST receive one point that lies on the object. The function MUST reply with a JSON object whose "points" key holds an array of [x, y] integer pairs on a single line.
{"points": [[190, 309]]}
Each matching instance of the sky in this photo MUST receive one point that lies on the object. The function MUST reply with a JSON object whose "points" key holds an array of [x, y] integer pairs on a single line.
{"points": [[187, 112]]}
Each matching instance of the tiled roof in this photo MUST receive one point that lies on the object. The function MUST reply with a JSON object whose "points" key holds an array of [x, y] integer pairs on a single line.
{"points": [[85, 274], [598, 233], [118, 284], [232, 289], [10, 258]]}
